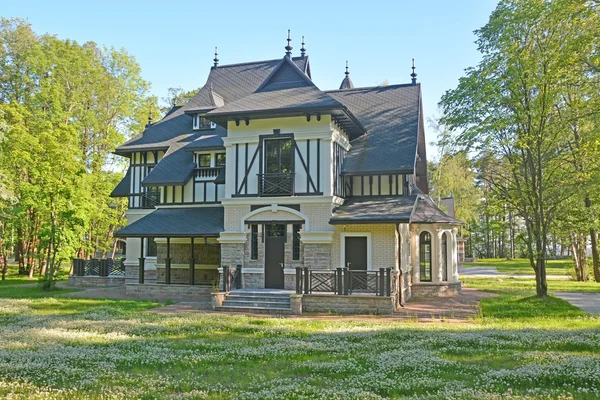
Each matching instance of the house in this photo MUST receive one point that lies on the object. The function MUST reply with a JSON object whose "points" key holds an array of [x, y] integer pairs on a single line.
{"points": [[267, 174]]}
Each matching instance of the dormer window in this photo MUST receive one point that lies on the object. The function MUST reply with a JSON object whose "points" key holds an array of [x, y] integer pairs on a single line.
{"points": [[204, 160], [201, 123]]}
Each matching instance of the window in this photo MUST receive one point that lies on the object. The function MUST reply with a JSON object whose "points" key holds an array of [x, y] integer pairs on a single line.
{"points": [[204, 160], [254, 242], [425, 256], [201, 122], [220, 160], [278, 156], [296, 242], [151, 249]]}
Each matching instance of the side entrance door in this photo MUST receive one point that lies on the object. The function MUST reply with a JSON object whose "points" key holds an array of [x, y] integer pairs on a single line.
{"points": [[274, 255], [355, 257]]}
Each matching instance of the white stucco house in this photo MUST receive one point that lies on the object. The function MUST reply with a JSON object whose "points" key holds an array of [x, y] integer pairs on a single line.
{"points": [[265, 173]]}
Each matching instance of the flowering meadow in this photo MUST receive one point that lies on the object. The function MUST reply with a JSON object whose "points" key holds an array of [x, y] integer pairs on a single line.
{"points": [[53, 347]]}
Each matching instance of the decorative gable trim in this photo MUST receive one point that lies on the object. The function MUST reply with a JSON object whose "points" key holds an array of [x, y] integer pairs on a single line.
{"points": [[286, 62]]}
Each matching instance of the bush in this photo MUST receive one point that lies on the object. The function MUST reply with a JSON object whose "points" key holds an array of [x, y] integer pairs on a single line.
{"points": [[47, 283]]}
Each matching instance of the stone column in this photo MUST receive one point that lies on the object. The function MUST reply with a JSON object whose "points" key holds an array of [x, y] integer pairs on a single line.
{"points": [[454, 252], [436, 249], [416, 272]]}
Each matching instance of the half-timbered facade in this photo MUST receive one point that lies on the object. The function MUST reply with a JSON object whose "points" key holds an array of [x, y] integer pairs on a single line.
{"points": [[263, 170]]}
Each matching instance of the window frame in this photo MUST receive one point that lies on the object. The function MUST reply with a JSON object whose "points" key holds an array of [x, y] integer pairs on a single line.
{"points": [[254, 242], [201, 156], [424, 264], [296, 241]]}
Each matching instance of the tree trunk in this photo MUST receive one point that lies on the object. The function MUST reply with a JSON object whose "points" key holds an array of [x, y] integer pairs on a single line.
{"points": [[20, 255], [595, 256]]}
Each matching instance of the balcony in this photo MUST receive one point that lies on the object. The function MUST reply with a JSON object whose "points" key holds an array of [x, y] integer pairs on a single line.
{"points": [[150, 199], [280, 184], [207, 172]]}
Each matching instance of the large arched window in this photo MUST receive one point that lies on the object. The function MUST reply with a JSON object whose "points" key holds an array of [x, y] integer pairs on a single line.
{"points": [[444, 256], [425, 256]]}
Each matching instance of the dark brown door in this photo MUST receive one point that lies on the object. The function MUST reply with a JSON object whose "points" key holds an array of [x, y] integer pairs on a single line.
{"points": [[356, 260], [274, 255], [356, 253]]}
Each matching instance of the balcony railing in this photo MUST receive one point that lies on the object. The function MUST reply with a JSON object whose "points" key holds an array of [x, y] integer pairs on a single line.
{"points": [[207, 172], [98, 267], [276, 184], [150, 199], [343, 281]]}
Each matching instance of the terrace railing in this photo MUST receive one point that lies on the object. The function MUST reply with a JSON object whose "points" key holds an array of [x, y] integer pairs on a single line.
{"points": [[276, 184], [207, 172], [343, 281], [98, 267]]}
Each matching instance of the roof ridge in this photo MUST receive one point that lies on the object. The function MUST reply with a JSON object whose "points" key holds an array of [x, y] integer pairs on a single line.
{"points": [[397, 85], [254, 62]]}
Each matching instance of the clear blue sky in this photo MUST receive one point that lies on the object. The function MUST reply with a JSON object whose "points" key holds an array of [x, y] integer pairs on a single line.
{"points": [[174, 41]]}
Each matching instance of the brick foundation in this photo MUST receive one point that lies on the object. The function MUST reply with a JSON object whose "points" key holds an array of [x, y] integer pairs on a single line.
{"points": [[96, 281], [170, 292], [347, 304], [435, 289]]}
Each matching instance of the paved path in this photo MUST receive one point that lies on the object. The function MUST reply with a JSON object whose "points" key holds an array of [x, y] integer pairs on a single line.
{"points": [[492, 272], [588, 302]]}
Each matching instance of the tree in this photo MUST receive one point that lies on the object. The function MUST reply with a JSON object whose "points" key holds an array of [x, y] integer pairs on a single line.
{"points": [[506, 106]]}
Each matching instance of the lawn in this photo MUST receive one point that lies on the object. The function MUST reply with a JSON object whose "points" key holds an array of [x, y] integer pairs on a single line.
{"points": [[13, 277], [522, 266], [52, 346]]}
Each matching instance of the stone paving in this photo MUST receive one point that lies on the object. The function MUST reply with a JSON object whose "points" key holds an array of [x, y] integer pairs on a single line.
{"points": [[588, 302]]}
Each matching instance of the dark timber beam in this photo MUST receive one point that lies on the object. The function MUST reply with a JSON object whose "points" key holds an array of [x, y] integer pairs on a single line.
{"points": [[168, 263], [142, 259], [192, 265]]}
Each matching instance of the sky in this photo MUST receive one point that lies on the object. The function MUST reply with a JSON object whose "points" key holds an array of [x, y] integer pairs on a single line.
{"points": [[174, 41]]}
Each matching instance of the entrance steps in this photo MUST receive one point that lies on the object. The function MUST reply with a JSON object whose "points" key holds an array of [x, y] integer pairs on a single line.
{"points": [[256, 302]]}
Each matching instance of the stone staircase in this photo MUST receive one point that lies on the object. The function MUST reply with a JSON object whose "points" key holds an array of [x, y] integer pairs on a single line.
{"points": [[256, 302]]}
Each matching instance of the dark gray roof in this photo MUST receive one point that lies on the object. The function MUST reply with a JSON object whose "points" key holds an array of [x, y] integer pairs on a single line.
{"points": [[427, 212], [390, 115], [175, 168], [209, 140], [347, 83], [374, 210], [122, 189], [301, 98], [177, 222], [286, 75]]}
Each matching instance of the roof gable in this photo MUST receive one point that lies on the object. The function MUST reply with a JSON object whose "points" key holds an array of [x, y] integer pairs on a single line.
{"points": [[287, 75]]}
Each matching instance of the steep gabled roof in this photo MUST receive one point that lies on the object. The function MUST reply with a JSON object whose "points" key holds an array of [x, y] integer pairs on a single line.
{"points": [[374, 210], [286, 75], [391, 117]]}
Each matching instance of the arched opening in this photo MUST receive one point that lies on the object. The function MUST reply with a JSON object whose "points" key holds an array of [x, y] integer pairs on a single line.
{"points": [[444, 257], [425, 256]]}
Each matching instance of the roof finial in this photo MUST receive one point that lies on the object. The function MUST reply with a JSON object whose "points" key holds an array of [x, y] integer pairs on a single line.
{"points": [[288, 48], [414, 74], [303, 49], [216, 59], [347, 73], [150, 117]]}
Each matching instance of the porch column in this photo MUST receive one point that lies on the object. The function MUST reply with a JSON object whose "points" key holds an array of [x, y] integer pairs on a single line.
{"points": [[415, 253], [454, 252], [142, 259], [168, 263], [438, 276], [192, 265]]}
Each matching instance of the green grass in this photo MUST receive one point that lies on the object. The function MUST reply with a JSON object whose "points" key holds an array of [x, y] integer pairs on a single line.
{"points": [[13, 278], [54, 346], [522, 266], [528, 284]]}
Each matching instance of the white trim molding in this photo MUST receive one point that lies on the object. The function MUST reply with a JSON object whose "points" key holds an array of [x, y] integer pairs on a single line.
{"points": [[316, 237], [273, 209], [232, 237], [343, 236]]}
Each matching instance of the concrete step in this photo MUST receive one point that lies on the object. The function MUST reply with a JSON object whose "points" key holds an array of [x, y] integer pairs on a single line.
{"points": [[258, 294], [259, 298], [254, 310], [256, 303]]}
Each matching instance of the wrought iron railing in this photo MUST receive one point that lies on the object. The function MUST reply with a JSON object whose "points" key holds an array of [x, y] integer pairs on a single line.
{"points": [[276, 184], [98, 267], [207, 172], [232, 278], [150, 199], [343, 281]]}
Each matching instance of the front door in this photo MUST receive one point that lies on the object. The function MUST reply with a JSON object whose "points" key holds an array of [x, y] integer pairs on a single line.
{"points": [[274, 255], [355, 256]]}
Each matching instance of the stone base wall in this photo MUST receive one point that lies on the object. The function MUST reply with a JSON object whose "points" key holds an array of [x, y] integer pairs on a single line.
{"points": [[347, 304], [181, 253], [132, 274], [170, 292], [435, 289], [317, 255], [232, 254], [96, 281], [202, 276]]}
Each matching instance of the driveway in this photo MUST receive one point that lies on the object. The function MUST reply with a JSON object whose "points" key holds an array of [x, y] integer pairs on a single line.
{"points": [[588, 302], [492, 272]]}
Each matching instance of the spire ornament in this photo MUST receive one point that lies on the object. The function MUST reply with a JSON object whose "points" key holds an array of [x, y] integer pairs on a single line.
{"points": [[216, 59], [347, 82], [414, 74], [149, 117], [288, 48], [303, 49], [347, 73]]}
